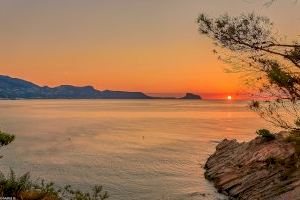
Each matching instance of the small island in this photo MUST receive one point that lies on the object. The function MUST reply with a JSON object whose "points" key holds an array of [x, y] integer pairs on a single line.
{"points": [[191, 96]]}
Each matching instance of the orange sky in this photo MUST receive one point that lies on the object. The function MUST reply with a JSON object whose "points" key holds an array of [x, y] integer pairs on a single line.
{"points": [[136, 45]]}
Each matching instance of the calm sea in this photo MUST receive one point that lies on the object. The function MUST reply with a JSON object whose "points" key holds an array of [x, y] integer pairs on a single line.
{"points": [[137, 149]]}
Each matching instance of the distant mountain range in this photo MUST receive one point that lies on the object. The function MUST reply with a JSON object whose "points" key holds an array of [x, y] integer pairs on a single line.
{"points": [[14, 88]]}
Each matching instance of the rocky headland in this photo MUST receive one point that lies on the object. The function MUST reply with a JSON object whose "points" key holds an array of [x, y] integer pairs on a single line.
{"points": [[262, 169]]}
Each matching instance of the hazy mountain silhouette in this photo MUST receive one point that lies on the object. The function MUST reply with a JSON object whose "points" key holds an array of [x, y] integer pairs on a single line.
{"points": [[14, 88]]}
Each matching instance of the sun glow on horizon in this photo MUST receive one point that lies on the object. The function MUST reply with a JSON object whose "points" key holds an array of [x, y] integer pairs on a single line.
{"points": [[229, 98]]}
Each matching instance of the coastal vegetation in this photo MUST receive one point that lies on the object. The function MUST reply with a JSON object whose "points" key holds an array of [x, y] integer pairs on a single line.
{"points": [[25, 189], [6, 138], [266, 134], [270, 64]]}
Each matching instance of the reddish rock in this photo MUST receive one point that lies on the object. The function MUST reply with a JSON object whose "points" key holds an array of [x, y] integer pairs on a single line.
{"points": [[258, 169]]}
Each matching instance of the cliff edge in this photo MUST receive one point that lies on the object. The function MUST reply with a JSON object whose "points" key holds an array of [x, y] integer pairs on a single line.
{"points": [[260, 169]]}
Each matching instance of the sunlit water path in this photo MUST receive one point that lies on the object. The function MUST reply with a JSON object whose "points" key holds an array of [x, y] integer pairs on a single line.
{"points": [[137, 149]]}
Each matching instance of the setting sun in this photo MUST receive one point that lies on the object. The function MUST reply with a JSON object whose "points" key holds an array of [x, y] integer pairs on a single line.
{"points": [[229, 98]]}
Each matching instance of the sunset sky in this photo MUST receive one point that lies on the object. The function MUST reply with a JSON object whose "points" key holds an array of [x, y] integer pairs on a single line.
{"points": [[136, 45]]}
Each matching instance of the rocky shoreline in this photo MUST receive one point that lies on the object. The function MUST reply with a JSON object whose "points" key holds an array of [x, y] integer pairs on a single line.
{"points": [[260, 169]]}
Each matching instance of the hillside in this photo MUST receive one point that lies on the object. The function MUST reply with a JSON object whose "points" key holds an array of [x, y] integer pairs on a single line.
{"points": [[14, 88]]}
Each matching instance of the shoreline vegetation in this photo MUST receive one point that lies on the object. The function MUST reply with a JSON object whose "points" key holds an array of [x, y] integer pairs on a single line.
{"points": [[265, 168], [23, 188]]}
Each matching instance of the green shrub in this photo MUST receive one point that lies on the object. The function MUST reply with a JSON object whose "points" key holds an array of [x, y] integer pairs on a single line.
{"points": [[24, 188], [5, 138], [265, 134], [97, 194], [11, 186]]}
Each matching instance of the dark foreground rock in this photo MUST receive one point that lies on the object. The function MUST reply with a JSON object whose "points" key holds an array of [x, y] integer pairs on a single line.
{"points": [[259, 169]]}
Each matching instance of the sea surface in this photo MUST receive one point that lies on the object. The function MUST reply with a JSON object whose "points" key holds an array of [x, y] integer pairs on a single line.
{"points": [[136, 149]]}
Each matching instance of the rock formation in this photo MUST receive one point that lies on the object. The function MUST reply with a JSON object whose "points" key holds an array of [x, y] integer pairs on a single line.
{"points": [[191, 96], [259, 169]]}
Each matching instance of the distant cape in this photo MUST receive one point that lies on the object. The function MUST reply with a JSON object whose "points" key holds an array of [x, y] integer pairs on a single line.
{"points": [[15, 88]]}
